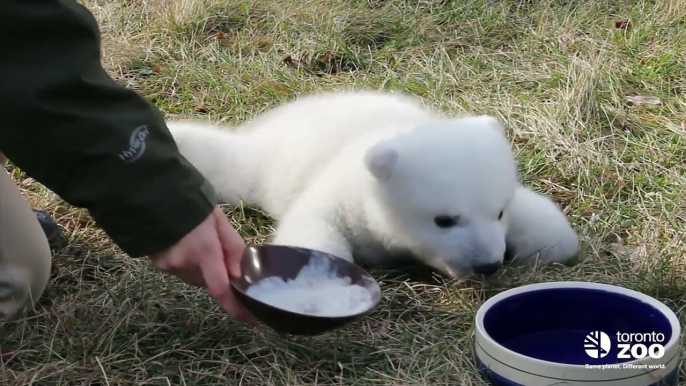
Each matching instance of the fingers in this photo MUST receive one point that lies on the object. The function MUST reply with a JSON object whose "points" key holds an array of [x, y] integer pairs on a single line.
{"points": [[217, 281], [214, 272], [232, 244]]}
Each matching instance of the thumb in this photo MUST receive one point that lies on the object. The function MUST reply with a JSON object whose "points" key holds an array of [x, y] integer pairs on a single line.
{"points": [[231, 242]]}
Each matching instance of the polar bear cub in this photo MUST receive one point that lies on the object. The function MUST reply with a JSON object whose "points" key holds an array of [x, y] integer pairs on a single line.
{"points": [[376, 177]]}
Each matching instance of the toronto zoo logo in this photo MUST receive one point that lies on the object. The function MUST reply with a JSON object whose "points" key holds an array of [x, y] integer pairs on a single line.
{"points": [[630, 345]]}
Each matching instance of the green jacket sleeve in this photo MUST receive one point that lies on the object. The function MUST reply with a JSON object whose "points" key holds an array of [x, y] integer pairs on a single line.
{"points": [[87, 138]]}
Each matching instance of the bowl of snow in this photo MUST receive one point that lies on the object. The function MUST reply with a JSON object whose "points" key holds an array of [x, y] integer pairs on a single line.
{"points": [[576, 333], [301, 291]]}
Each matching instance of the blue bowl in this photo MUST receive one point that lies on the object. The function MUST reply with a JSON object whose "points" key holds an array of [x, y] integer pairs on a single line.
{"points": [[576, 333]]}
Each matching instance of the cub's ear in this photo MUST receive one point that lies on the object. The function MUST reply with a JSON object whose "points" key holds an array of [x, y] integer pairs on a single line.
{"points": [[380, 160]]}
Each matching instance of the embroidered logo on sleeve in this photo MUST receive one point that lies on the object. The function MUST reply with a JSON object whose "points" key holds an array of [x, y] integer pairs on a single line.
{"points": [[136, 145]]}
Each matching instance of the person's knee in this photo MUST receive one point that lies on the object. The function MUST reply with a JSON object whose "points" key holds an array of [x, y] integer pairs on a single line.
{"points": [[21, 287], [24, 273], [25, 256]]}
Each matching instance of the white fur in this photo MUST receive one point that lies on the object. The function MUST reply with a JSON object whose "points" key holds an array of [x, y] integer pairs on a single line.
{"points": [[364, 174]]}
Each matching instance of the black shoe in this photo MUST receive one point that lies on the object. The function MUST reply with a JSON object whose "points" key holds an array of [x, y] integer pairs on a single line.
{"points": [[56, 238]]}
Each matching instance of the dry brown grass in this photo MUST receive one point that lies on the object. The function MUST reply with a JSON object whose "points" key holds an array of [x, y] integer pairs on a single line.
{"points": [[558, 72]]}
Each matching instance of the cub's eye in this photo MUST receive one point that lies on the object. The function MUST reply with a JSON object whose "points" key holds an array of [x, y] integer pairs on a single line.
{"points": [[445, 221], [500, 215]]}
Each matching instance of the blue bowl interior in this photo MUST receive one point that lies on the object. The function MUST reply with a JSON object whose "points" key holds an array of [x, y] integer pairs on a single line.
{"points": [[551, 324]]}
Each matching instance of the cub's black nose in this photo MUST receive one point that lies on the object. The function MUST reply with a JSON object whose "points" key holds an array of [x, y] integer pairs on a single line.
{"points": [[487, 269]]}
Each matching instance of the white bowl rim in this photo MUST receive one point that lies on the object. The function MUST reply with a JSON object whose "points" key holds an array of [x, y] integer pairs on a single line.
{"points": [[486, 306]]}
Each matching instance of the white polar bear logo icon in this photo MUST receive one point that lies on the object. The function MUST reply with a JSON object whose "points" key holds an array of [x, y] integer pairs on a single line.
{"points": [[597, 344]]}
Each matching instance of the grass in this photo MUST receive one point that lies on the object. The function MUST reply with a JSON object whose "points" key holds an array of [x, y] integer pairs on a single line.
{"points": [[558, 72]]}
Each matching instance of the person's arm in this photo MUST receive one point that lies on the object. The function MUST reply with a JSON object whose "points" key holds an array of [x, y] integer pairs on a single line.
{"points": [[95, 143]]}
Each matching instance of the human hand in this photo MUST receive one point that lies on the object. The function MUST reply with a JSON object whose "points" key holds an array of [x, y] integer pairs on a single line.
{"points": [[205, 257]]}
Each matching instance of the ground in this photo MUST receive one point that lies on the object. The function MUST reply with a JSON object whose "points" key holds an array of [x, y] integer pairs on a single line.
{"points": [[593, 96]]}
